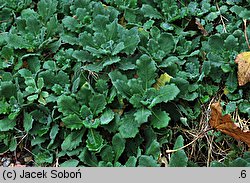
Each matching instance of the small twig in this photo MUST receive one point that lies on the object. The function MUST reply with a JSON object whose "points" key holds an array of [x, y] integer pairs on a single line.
{"points": [[245, 32], [181, 3], [199, 136], [209, 151], [22, 139], [2, 21], [221, 18], [57, 159]]}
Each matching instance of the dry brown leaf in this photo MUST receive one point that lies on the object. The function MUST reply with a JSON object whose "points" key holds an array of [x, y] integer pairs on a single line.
{"points": [[243, 61], [200, 26], [226, 125]]}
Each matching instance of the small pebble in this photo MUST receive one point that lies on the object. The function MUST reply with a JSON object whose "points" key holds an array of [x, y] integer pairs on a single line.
{"points": [[28, 159], [3, 159], [6, 163]]}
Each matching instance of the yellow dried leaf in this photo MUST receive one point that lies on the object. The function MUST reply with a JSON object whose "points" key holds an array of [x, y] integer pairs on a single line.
{"points": [[243, 61], [162, 80], [226, 91]]}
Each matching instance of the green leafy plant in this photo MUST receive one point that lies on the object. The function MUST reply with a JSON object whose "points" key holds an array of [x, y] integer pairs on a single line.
{"points": [[79, 81]]}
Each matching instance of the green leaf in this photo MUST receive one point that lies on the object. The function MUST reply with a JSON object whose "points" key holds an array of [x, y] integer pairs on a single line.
{"points": [[190, 96], [70, 23], [27, 121], [31, 98], [146, 71], [244, 107], [75, 84], [34, 64], [101, 86], [66, 38], [85, 112], [246, 155], [107, 153], [97, 103], [43, 156], [72, 121], [40, 83], [165, 94], [53, 26], [217, 164], [33, 25], [120, 83], [3, 37], [118, 48], [129, 127], [112, 60], [141, 115], [147, 25], [86, 39], [245, 14], [118, 145], [160, 119], [88, 158], [17, 42], [226, 68], [38, 141], [232, 82], [112, 30], [95, 67], [82, 56], [7, 89], [147, 161], [239, 162], [206, 67], [212, 16], [153, 149], [94, 140], [70, 163], [166, 42], [150, 12], [179, 158], [184, 121], [115, 75], [216, 43], [4, 107], [107, 117], [149, 135], [131, 162], [47, 8], [131, 39], [135, 100], [135, 86], [67, 105], [54, 131], [105, 164], [72, 140], [236, 9], [6, 124], [13, 144], [91, 123], [231, 43], [230, 107], [100, 22]]}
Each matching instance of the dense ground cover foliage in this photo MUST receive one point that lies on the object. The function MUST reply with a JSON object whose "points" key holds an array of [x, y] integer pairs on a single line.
{"points": [[121, 83]]}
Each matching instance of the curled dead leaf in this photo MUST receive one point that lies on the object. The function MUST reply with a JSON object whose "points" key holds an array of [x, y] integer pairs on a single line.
{"points": [[200, 26], [226, 125], [162, 80], [243, 61]]}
